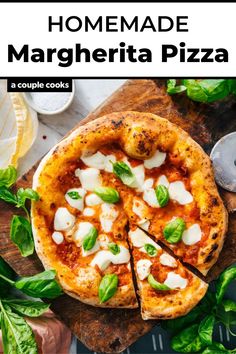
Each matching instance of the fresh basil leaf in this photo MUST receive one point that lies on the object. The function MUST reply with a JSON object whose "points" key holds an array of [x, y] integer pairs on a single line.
{"points": [[162, 195], [7, 196], [114, 248], [74, 195], [216, 348], [188, 340], [229, 305], [172, 88], [123, 172], [156, 285], [26, 307], [107, 287], [173, 231], [42, 285], [107, 194], [8, 176], [215, 89], [28, 193], [150, 249], [21, 235], [206, 328], [90, 239], [222, 283], [195, 91], [7, 272], [17, 336]]}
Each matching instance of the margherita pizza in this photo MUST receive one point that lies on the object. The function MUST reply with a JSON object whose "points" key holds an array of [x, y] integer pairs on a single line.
{"points": [[126, 169]]}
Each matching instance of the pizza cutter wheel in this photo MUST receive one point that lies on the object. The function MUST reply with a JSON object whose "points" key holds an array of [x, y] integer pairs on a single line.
{"points": [[223, 157]]}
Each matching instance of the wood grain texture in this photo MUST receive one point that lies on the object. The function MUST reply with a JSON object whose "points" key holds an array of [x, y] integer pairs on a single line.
{"points": [[110, 331]]}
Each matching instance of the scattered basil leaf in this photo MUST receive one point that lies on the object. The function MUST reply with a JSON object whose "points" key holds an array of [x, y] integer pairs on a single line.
{"points": [[229, 305], [162, 195], [188, 340], [172, 88], [222, 283], [7, 272], [123, 172], [108, 287], [26, 307], [205, 330], [17, 336], [216, 348], [21, 235], [8, 176], [90, 239], [150, 249], [27, 193], [74, 195], [114, 248], [42, 285], [173, 231], [156, 285], [7, 196], [107, 194]]}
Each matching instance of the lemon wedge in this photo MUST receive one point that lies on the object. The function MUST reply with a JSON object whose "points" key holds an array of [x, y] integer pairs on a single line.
{"points": [[18, 126]]}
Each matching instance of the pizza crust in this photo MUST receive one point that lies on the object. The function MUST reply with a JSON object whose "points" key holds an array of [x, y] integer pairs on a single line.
{"points": [[139, 135]]}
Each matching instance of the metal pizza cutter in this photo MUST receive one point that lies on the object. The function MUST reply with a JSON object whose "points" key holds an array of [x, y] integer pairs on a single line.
{"points": [[223, 157]]}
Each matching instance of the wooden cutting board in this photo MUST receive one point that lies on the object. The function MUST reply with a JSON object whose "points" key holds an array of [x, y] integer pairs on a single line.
{"points": [[110, 330]]}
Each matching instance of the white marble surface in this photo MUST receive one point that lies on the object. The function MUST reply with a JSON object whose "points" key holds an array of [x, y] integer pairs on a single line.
{"points": [[88, 95]]}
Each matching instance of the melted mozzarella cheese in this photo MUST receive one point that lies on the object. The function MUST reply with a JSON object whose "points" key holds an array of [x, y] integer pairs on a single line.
{"points": [[93, 199], [156, 160], [175, 281], [178, 193], [144, 224], [139, 174], [88, 212], [192, 235], [149, 195], [89, 178], [104, 241], [108, 216], [122, 257], [57, 237], [162, 180], [102, 259], [96, 160], [63, 220], [139, 239], [143, 268], [95, 248], [148, 183], [76, 203], [167, 260], [108, 164], [81, 231], [139, 208]]}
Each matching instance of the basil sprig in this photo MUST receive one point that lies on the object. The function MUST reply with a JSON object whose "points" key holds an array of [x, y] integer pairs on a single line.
{"points": [[107, 194], [108, 287], [7, 272], [40, 285], [173, 231], [162, 195], [114, 248], [156, 285], [90, 239], [194, 332], [205, 90], [21, 233], [74, 195], [150, 249], [8, 176], [123, 172]]}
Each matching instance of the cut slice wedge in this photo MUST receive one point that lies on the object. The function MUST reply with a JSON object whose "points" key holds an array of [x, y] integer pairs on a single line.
{"points": [[167, 289]]}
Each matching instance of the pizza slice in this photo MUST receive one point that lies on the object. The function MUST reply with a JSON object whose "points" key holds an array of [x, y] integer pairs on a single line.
{"points": [[167, 289]]}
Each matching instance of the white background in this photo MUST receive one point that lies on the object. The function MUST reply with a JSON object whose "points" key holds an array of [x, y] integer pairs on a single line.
{"points": [[210, 25]]}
